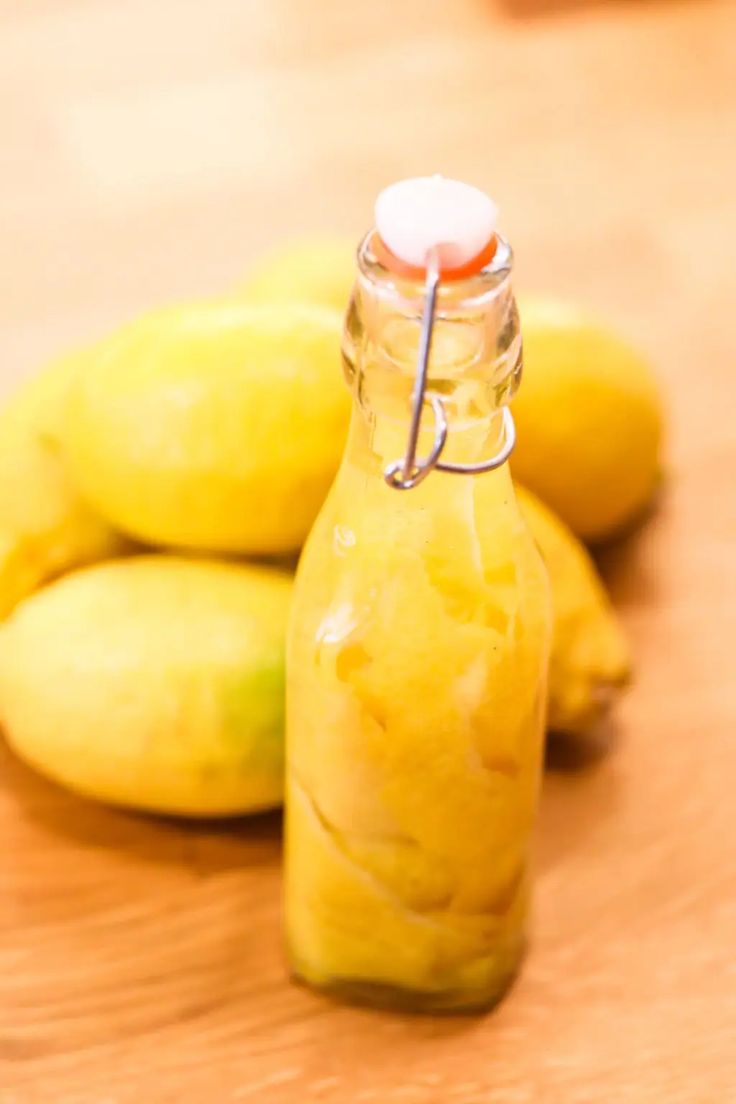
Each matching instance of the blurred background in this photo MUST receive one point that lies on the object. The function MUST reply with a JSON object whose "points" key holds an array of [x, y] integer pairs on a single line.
{"points": [[151, 150]]}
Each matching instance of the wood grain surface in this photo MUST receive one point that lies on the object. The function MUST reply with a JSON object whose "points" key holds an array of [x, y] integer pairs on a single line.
{"points": [[149, 150]]}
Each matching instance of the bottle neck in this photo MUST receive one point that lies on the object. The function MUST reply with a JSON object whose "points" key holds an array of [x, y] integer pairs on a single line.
{"points": [[474, 364], [443, 499]]}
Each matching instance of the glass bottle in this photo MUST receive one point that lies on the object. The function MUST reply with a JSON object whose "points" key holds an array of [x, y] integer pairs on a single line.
{"points": [[417, 660]]}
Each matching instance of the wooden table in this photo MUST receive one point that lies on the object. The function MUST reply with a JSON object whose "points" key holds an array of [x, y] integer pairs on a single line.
{"points": [[149, 150]]}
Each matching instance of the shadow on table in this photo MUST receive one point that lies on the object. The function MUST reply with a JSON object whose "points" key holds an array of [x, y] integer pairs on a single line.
{"points": [[206, 845], [529, 9], [629, 565], [581, 793], [581, 754]]}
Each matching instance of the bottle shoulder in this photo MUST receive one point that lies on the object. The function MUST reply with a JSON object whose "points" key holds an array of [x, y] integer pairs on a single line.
{"points": [[470, 549]]}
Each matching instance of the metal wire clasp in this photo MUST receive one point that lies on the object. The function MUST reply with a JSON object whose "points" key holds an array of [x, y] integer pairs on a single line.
{"points": [[407, 473]]}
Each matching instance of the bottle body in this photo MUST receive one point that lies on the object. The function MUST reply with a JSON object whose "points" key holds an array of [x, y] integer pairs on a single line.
{"points": [[415, 707]]}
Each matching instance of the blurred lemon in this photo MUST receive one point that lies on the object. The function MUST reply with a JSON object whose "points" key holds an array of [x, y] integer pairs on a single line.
{"points": [[46, 527], [317, 270], [155, 682], [590, 660], [215, 426], [589, 419]]}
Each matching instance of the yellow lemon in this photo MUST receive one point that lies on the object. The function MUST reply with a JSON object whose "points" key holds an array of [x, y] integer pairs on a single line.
{"points": [[154, 682], [46, 527], [590, 657], [317, 270], [214, 426], [589, 421]]}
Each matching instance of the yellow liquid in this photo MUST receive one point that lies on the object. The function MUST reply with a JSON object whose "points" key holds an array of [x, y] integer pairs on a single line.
{"points": [[416, 696]]}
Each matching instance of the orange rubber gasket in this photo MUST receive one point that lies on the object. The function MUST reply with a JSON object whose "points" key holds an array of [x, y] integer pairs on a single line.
{"points": [[413, 272]]}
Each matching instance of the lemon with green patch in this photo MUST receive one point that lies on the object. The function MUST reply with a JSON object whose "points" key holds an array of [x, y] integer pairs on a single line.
{"points": [[155, 682]]}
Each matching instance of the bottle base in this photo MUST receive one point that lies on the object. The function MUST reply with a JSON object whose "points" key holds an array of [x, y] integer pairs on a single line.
{"points": [[392, 998]]}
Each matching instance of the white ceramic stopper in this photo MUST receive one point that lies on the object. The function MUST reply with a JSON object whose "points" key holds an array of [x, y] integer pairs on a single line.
{"points": [[427, 212]]}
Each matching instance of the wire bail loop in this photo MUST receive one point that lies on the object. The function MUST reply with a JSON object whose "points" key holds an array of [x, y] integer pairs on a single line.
{"points": [[404, 474]]}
